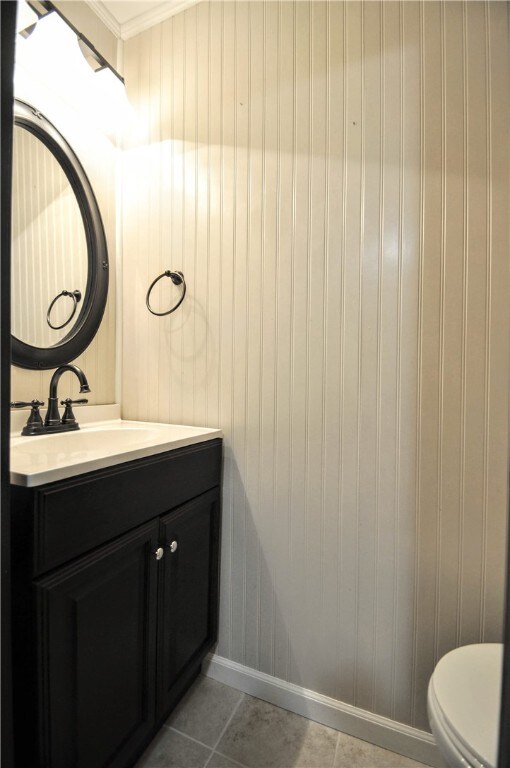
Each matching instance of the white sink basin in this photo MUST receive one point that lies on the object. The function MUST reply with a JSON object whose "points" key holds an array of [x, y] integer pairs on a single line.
{"points": [[46, 458]]}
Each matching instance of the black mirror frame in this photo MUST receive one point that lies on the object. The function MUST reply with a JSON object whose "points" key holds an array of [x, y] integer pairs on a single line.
{"points": [[95, 295]]}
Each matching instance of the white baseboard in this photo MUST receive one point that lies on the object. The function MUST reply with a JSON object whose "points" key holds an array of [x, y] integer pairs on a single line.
{"points": [[386, 733]]}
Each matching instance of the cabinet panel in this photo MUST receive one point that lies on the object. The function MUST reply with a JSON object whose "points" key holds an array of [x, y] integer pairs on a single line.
{"points": [[96, 625], [74, 516], [188, 591]]}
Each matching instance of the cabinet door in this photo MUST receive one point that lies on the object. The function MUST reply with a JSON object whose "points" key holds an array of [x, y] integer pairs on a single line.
{"points": [[96, 625], [189, 592]]}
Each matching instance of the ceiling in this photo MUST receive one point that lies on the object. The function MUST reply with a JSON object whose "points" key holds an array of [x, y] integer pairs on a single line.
{"points": [[126, 18], [127, 10]]}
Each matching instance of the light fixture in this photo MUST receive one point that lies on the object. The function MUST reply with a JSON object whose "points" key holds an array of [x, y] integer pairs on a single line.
{"points": [[31, 11], [94, 59], [60, 58], [26, 19]]}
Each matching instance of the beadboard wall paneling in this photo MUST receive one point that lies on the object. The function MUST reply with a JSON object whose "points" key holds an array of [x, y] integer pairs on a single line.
{"points": [[49, 249], [332, 180], [98, 156]]}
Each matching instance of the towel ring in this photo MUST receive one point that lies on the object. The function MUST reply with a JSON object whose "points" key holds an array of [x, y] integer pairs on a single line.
{"points": [[75, 296], [177, 278]]}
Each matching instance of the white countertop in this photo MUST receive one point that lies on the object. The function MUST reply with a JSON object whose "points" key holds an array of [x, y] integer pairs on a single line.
{"points": [[97, 444]]}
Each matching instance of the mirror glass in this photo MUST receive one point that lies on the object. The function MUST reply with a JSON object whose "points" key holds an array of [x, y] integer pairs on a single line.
{"points": [[59, 266], [49, 247]]}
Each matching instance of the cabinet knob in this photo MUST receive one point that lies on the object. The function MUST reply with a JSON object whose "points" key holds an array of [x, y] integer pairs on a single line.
{"points": [[159, 553], [173, 546]]}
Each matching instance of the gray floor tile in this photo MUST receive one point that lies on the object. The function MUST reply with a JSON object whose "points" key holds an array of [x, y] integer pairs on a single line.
{"points": [[205, 710], [354, 753], [173, 750], [264, 736], [220, 761]]}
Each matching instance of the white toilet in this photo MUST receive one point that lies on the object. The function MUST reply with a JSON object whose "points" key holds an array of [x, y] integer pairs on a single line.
{"points": [[464, 705]]}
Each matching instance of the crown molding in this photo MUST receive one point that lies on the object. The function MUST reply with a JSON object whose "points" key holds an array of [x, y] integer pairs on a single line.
{"points": [[141, 22], [155, 16], [106, 17]]}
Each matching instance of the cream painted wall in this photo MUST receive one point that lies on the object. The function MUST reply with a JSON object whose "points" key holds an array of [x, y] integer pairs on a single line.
{"points": [[98, 156], [332, 180]]}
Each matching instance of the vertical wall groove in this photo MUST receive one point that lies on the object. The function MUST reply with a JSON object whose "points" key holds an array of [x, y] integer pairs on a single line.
{"points": [[248, 308], [274, 432], [331, 178], [487, 321], [398, 391], [359, 398], [324, 455], [380, 245], [307, 291], [292, 329], [464, 324], [260, 477], [416, 603], [441, 338], [233, 288], [340, 654]]}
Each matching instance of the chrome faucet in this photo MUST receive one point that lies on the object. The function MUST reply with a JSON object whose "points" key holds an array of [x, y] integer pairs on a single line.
{"points": [[52, 415]]}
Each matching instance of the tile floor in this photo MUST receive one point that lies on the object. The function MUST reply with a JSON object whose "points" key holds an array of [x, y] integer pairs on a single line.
{"points": [[215, 726]]}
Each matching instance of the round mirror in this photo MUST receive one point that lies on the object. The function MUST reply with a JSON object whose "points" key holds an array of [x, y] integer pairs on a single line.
{"points": [[59, 273]]}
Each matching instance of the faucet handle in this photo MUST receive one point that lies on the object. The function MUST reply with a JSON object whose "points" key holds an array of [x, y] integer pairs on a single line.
{"points": [[68, 417], [34, 404], [34, 424]]}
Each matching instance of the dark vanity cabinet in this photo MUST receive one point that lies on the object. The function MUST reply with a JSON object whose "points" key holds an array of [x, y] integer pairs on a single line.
{"points": [[115, 604], [186, 591], [96, 628]]}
